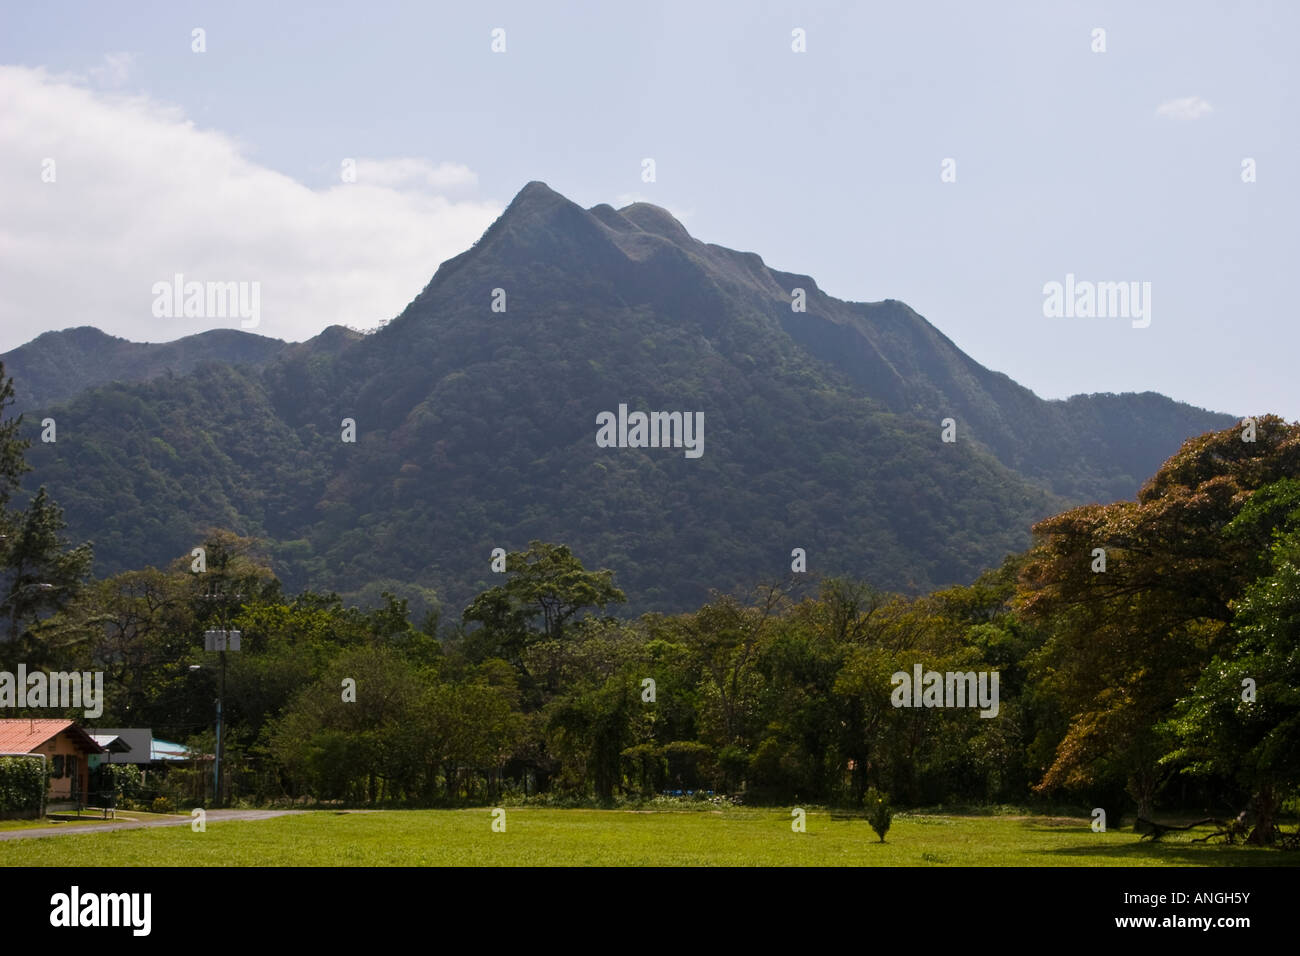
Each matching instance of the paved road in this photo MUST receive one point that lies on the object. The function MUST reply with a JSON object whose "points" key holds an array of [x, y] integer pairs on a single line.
{"points": [[213, 816]]}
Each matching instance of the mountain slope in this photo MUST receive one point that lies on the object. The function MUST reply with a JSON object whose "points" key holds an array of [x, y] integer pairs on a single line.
{"points": [[1085, 448], [476, 429], [57, 366]]}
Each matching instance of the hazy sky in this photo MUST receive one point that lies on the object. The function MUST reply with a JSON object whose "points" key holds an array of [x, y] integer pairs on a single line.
{"points": [[1115, 166]]}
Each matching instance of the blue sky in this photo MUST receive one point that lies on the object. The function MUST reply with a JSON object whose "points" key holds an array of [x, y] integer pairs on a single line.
{"points": [[1123, 165]]}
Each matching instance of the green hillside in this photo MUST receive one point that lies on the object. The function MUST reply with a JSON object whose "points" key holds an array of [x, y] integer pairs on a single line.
{"points": [[476, 429]]}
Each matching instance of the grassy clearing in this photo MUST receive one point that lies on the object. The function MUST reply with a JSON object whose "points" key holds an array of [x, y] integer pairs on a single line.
{"points": [[90, 819], [545, 837]]}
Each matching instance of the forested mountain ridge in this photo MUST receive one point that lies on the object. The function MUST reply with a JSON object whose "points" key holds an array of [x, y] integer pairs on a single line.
{"points": [[57, 366], [476, 429]]}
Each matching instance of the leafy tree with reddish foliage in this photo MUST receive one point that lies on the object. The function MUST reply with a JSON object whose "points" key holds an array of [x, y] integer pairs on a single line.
{"points": [[1125, 643]]}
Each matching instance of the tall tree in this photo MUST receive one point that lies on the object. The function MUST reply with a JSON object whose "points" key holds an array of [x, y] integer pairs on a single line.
{"points": [[12, 444], [1242, 719], [39, 572], [1136, 597], [548, 582]]}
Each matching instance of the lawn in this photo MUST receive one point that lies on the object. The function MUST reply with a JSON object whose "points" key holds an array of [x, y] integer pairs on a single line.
{"points": [[90, 819], [548, 837]]}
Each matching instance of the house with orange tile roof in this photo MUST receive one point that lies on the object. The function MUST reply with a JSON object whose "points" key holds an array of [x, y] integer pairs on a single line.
{"points": [[66, 748]]}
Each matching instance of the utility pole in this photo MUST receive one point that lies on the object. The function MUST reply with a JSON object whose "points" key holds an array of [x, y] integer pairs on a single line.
{"points": [[220, 640], [221, 696]]}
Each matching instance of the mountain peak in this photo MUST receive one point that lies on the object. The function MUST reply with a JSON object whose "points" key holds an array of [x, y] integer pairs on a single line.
{"points": [[533, 192], [537, 207], [657, 221], [536, 202]]}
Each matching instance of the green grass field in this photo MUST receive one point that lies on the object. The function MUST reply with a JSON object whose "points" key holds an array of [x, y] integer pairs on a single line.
{"points": [[91, 819], [547, 837]]}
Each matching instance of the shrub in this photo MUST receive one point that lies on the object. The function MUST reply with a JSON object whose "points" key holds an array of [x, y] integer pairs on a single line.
{"points": [[879, 813], [733, 761], [645, 767], [123, 779], [689, 763], [163, 805], [184, 786], [22, 786]]}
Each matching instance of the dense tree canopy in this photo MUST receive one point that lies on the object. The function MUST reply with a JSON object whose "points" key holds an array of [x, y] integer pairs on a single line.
{"points": [[1137, 598]]}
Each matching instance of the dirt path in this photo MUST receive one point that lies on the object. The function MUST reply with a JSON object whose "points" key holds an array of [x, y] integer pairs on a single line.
{"points": [[213, 816]]}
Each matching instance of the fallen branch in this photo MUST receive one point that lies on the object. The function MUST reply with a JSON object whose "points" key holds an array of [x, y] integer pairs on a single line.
{"points": [[1160, 829]]}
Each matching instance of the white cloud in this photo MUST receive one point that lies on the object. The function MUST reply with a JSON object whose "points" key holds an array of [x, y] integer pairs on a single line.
{"points": [[115, 71], [414, 173], [1187, 108], [142, 194]]}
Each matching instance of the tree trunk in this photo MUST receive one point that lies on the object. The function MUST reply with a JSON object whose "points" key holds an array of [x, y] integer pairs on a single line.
{"points": [[1142, 788], [1266, 806], [859, 777]]}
